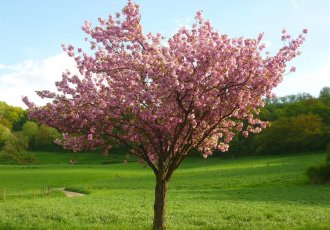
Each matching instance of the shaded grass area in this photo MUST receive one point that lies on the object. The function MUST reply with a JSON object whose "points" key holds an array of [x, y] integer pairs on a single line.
{"points": [[246, 193], [118, 156]]}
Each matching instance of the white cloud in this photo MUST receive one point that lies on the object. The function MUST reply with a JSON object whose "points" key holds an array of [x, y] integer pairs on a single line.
{"points": [[309, 82], [24, 78], [295, 4], [268, 43], [187, 22]]}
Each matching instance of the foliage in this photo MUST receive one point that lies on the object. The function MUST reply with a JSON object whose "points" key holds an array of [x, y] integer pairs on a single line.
{"points": [[325, 95], [16, 143], [328, 147], [276, 109], [45, 138], [14, 119], [14, 149], [320, 174], [216, 83], [10, 116], [5, 134], [292, 134], [299, 123], [30, 129]]}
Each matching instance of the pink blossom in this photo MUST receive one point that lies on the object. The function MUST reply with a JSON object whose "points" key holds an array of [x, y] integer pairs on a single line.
{"points": [[293, 69], [245, 133], [199, 15], [260, 37], [90, 137], [163, 97]]}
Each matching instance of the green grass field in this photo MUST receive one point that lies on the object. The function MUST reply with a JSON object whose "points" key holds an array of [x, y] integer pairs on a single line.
{"points": [[268, 192]]}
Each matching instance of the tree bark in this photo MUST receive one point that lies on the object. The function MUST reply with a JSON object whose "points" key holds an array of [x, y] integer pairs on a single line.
{"points": [[160, 203]]}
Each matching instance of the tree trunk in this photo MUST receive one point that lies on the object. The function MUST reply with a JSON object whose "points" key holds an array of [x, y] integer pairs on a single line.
{"points": [[160, 203]]}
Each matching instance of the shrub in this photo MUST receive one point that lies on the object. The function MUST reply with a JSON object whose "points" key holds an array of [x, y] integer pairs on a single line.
{"points": [[319, 174], [14, 150], [328, 148], [18, 158]]}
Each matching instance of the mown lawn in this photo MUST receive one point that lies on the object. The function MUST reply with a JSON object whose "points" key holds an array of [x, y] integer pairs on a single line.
{"points": [[246, 193]]}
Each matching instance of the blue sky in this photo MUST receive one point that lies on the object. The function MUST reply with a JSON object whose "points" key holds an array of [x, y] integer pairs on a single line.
{"points": [[31, 34]]}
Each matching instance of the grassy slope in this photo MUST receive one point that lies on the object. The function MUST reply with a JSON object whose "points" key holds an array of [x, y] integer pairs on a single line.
{"points": [[248, 193], [82, 158]]}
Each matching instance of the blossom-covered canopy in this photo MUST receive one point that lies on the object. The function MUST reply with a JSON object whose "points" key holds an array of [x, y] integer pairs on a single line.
{"points": [[161, 97]]}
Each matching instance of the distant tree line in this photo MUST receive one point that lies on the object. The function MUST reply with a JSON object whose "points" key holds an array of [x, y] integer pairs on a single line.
{"points": [[18, 134], [299, 123]]}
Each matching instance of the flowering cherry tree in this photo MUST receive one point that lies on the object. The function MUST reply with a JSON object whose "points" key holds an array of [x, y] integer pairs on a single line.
{"points": [[162, 98]]}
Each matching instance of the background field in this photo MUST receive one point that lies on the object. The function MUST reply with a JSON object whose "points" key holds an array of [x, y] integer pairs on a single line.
{"points": [[249, 193]]}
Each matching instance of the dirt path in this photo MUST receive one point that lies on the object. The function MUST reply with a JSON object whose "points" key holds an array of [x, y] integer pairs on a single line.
{"points": [[69, 193]]}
